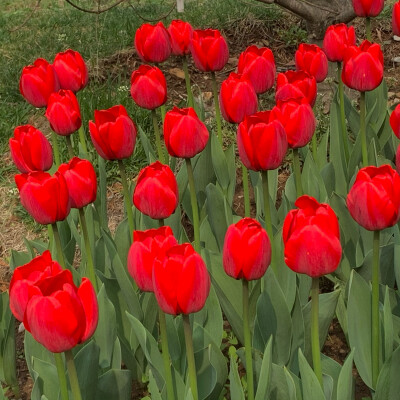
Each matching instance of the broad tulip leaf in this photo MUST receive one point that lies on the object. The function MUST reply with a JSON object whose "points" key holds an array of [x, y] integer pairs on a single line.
{"points": [[34, 349], [345, 383], [219, 163], [263, 387], [387, 326], [123, 240], [311, 387], [147, 146], [388, 386], [47, 378], [153, 389], [235, 385], [18, 258], [114, 384], [281, 385], [298, 334], [330, 370], [231, 160]]}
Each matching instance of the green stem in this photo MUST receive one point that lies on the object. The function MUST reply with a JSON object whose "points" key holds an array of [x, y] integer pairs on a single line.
{"points": [[267, 216], [195, 209], [56, 149], [316, 355], [165, 354], [190, 356], [297, 172], [57, 239], [375, 309], [161, 222], [363, 131], [50, 235], [187, 81], [246, 194], [342, 113], [216, 105], [368, 28], [157, 135], [90, 265], [247, 340], [127, 197], [73, 376], [163, 112], [69, 146], [62, 379], [82, 139], [314, 147]]}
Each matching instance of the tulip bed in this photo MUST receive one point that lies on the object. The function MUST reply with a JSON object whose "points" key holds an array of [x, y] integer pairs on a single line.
{"points": [[185, 296]]}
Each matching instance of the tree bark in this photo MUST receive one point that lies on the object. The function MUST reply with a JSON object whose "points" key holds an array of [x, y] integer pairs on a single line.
{"points": [[318, 14]]}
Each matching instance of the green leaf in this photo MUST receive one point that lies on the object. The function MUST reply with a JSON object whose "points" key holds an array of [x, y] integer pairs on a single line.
{"points": [[330, 375], [123, 241], [388, 386], [263, 388], [147, 146], [345, 384], [219, 163], [236, 389], [115, 385], [153, 389], [387, 326], [34, 349], [47, 379], [311, 387], [282, 386]]}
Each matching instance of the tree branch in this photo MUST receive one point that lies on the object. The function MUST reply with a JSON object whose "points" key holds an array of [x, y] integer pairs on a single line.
{"points": [[27, 18], [98, 11]]}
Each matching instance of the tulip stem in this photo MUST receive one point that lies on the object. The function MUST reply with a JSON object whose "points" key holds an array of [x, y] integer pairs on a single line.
{"points": [[216, 105], [363, 130], [316, 355], [73, 376], [127, 197], [90, 265], [375, 310], [247, 340], [246, 194], [56, 149], [62, 379], [69, 146], [297, 172], [195, 209], [190, 356], [165, 354], [157, 135], [57, 239], [161, 222], [163, 112], [187, 81], [267, 216], [342, 113], [368, 28], [82, 139]]}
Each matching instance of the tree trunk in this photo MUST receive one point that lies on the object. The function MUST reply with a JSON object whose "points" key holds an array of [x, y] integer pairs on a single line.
{"points": [[318, 14]]}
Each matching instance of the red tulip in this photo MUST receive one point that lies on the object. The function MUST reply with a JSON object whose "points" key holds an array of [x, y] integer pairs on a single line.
{"points": [[374, 199], [237, 98], [45, 197], [298, 119], [181, 281], [261, 141], [395, 120], [63, 112], [363, 66], [247, 250], [38, 82], [184, 134], [180, 33], [311, 238], [152, 42], [62, 315], [71, 70], [24, 280], [336, 40], [148, 87], [81, 181], [396, 19], [113, 133], [258, 65], [209, 50], [156, 192], [146, 247], [367, 8], [294, 84], [311, 59], [30, 150]]}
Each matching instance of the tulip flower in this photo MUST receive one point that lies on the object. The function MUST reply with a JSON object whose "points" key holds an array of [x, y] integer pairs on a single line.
{"points": [[262, 141], [71, 70], [185, 135], [367, 8], [237, 98], [38, 82], [45, 197], [180, 33], [152, 42], [396, 19], [294, 84], [395, 121], [30, 149], [148, 87], [209, 50], [156, 192], [146, 247], [63, 112], [81, 181], [336, 40], [113, 133], [311, 59], [258, 65]]}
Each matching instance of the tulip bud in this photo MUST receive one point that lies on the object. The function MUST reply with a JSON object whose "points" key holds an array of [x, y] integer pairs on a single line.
{"points": [[396, 19], [336, 40], [156, 192], [395, 121], [247, 250], [374, 198], [311, 59], [180, 34], [367, 8], [30, 150], [311, 238]]}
